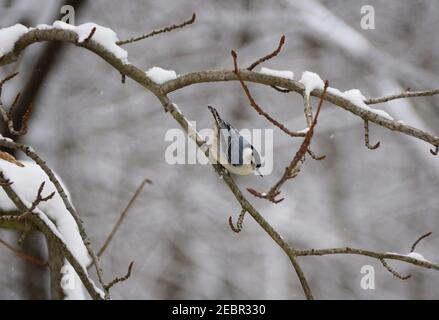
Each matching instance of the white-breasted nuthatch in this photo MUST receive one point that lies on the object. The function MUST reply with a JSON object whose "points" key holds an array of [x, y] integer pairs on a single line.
{"points": [[231, 149]]}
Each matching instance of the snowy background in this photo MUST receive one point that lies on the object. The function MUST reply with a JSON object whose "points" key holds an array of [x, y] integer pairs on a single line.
{"points": [[104, 137]]}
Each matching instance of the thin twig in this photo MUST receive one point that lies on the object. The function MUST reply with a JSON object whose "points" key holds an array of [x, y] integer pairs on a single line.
{"points": [[268, 56], [238, 227], [419, 240], [314, 156], [256, 106], [7, 114], [8, 78], [395, 273], [122, 216], [366, 137], [156, 32], [120, 279], [406, 94], [92, 32], [39, 198], [24, 255]]}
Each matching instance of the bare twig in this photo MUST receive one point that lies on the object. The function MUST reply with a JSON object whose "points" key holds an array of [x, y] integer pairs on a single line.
{"points": [[366, 137], [268, 56], [7, 114], [39, 198], [256, 106], [120, 279], [419, 240], [238, 227], [395, 273], [24, 255], [314, 156], [8, 78], [292, 170], [92, 32], [123, 215], [156, 32], [406, 94]]}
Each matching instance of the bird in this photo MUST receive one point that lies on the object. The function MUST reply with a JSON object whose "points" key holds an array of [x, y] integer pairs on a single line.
{"points": [[231, 149]]}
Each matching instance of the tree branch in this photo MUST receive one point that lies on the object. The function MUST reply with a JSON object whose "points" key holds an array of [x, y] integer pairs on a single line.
{"points": [[140, 77]]}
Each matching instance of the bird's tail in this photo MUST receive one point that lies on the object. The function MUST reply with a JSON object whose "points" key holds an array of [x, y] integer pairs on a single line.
{"points": [[215, 114]]}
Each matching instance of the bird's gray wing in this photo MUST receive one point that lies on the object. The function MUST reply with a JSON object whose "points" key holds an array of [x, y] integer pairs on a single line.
{"points": [[233, 143]]}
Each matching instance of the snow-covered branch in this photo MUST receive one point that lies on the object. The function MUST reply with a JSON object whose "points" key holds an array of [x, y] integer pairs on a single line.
{"points": [[5, 142], [62, 240]]}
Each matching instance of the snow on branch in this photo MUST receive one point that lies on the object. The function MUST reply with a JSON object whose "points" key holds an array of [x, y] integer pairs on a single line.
{"points": [[45, 225]]}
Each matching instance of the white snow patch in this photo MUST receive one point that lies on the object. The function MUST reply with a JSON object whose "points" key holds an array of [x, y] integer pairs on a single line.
{"points": [[304, 130], [64, 26], [417, 256], [311, 81], [334, 91], [413, 255], [160, 75], [278, 73], [6, 138], [43, 26], [356, 97], [104, 36], [10, 35], [26, 181]]}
